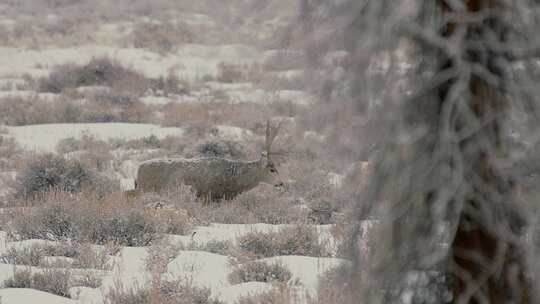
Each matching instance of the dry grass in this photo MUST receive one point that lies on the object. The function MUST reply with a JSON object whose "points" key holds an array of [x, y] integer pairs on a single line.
{"points": [[55, 281], [257, 271], [259, 205], [294, 240], [19, 111], [245, 115], [162, 292], [90, 257], [281, 294], [8, 148], [230, 73], [30, 256], [334, 287], [226, 248], [88, 219], [162, 37], [99, 71]]}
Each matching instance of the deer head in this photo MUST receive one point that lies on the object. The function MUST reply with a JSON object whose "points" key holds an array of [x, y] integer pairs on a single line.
{"points": [[271, 172]]}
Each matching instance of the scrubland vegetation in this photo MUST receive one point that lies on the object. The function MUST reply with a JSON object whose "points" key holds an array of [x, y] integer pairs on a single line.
{"points": [[69, 222], [385, 136]]}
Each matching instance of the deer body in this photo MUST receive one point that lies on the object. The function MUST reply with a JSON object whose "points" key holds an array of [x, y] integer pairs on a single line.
{"points": [[212, 177]]}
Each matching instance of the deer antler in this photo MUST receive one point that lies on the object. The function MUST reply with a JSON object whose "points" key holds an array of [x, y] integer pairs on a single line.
{"points": [[271, 133]]}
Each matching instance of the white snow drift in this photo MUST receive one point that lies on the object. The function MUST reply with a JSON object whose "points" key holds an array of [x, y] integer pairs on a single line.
{"points": [[45, 137]]}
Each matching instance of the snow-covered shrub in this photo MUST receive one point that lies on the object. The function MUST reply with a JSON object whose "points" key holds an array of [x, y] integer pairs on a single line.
{"points": [[89, 278], [230, 72], [30, 256], [300, 240], [167, 210], [22, 278], [263, 204], [333, 285], [50, 280], [123, 99], [8, 147], [91, 257], [151, 141], [170, 84], [125, 228], [294, 240], [170, 219], [48, 222], [221, 148], [260, 272], [281, 294], [131, 296], [222, 247], [18, 111], [87, 221], [100, 71], [50, 172], [218, 247], [259, 244], [269, 205], [161, 291]]}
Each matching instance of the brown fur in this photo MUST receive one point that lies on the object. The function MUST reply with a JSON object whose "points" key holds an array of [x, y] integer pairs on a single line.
{"points": [[211, 177]]}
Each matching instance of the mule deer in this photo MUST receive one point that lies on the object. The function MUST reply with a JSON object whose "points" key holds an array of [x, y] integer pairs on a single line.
{"points": [[211, 177]]}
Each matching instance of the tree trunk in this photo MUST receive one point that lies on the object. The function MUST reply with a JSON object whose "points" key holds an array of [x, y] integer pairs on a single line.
{"points": [[486, 261]]}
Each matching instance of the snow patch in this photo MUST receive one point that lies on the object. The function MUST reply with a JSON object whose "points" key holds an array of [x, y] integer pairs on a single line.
{"points": [[335, 179], [127, 184], [312, 135], [6, 273], [191, 61], [239, 86], [25, 295], [25, 244], [86, 295], [156, 100], [262, 96], [3, 242], [196, 20], [294, 96], [129, 271], [232, 133], [202, 268], [29, 95], [306, 270], [45, 137]]}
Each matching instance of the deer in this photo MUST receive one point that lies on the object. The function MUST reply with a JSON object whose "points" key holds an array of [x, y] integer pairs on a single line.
{"points": [[212, 177]]}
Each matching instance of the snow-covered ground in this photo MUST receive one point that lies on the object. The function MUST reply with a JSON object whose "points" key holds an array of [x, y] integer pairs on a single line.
{"points": [[263, 96], [28, 296], [46, 137], [27, 95], [197, 65], [203, 269], [190, 62]]}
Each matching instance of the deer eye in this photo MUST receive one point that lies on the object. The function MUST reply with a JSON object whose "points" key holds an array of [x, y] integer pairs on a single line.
{"points": [[273, 170]]}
